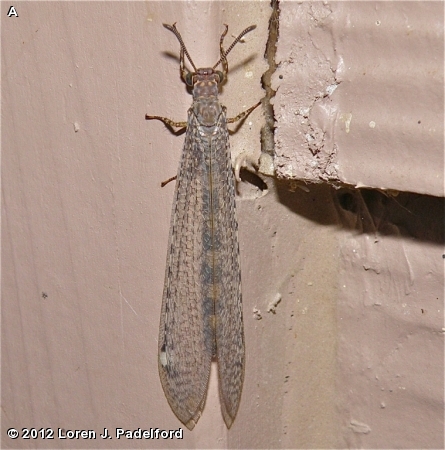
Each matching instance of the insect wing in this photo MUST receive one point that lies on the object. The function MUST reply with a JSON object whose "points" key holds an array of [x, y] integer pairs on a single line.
{"points": [[186, 337], [228, 305]]}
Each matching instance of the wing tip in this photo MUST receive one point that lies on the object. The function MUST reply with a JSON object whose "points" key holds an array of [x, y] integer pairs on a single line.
{"points": [[190, 424], [228, 419]]}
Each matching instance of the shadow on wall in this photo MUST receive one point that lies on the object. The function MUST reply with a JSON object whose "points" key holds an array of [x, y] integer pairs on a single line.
{"points": [[404, 215]]}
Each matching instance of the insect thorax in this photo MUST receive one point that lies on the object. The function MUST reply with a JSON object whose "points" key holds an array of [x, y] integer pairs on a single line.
{"points": [[207, 110]]}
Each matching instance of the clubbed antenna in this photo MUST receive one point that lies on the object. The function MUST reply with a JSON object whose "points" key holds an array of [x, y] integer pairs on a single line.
{"points": [[247, 30], [173, 29]]}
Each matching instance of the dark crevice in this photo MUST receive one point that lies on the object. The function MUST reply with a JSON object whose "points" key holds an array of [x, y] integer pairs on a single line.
{"points": [[253, 179], [403, 215], [267, 132]]}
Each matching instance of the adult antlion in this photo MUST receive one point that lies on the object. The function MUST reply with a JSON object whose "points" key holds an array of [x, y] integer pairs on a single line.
{"points": [[201, 316]]}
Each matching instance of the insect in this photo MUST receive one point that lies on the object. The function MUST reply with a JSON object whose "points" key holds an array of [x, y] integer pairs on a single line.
{"points": [[201, 317]]}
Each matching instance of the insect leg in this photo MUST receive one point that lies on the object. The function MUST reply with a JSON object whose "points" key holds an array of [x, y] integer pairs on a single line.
{"points": [[243, 114], [168, 122], [164, 183]]}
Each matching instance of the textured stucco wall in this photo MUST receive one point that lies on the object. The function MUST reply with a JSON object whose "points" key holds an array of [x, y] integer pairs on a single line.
{"points": [[359, 102], [360, 94]]}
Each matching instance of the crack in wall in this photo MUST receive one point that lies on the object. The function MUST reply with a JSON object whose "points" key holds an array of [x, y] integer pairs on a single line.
{"points": [[267, 131]]}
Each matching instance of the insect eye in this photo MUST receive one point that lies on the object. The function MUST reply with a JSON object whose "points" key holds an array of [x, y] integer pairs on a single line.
{"points": [[189, 79], [220, 75]]}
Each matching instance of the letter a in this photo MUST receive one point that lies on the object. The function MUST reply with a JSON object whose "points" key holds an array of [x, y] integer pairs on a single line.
{"points": [[12, 12]]}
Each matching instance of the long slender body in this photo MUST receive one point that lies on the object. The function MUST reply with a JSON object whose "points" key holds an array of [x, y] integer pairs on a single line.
{"points": [[201, 317]]}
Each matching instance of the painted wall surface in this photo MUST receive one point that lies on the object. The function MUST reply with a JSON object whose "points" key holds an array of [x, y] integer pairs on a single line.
{"points": [[342, 287], [360, 102], [360, 94]]}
